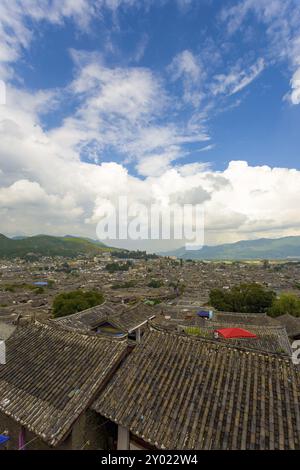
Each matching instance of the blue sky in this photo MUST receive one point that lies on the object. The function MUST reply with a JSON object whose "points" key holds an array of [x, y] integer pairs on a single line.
{"points": [[147, 91], [254, 124]]}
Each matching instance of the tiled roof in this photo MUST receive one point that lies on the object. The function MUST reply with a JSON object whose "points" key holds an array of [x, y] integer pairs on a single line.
{"points": [[6, 330], [269, 338], [251, 318], [291, 324], [52, 375], [132, 317], [177, 392], [125, 318], [88, 319]]}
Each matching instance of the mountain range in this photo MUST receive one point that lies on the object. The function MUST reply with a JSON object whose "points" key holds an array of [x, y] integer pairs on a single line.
{"points": [[70, 246], [45, 245], [263, 248]]}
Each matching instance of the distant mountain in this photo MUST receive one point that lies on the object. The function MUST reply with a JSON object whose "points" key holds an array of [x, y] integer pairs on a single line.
{"points": [[44, 245], [264, 248]]}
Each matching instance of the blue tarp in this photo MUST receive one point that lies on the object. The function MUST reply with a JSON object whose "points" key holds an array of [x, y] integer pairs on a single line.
{"points": [[3, 439], [41, 283], [205, 314]]}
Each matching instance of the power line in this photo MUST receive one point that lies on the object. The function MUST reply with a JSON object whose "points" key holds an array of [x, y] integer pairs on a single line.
{"points": [[92, 429], [27, 443]]}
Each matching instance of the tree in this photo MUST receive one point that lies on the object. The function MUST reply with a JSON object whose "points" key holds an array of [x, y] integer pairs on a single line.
{"points": [[68, 303], [124, 285], [155, 283], [113, 267], [266, 264], [286, 303], [51, 283], [244, 298]]}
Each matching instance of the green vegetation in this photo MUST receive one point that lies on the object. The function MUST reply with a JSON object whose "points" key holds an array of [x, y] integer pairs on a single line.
{"points": [[124, 285], [113, 267], [71, 302], [254, 298], [32, 248], [39, 290], [152, 302], [15, 286], [193, 330], [244, 298], [133, 255], [286, 303], [155, 283], [196, 331]]}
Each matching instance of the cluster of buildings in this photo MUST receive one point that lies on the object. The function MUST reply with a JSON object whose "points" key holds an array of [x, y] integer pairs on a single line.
{"points": [[20, 293], [121, 377], [134, 373]]}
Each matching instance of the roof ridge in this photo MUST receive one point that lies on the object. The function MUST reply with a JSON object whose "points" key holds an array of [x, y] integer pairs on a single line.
{"points": [[245, 326], [50, 323], [82, 311], [242, 349]]}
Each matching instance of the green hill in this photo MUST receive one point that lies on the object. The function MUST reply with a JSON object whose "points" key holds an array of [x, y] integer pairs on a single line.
{"points": [[264, 248], [44, 245]]}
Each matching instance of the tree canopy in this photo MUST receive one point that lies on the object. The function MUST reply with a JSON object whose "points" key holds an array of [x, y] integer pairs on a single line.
{"points": [[155, 283], [68, 303], [113, 267], [244, 298], [286, 303]]}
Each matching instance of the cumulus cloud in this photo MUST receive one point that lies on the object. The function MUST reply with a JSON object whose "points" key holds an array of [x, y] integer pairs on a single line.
{"points": [[58, 180], [47, 187], [52, 191]]}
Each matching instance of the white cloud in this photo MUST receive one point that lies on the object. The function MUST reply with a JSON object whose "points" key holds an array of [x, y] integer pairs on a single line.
{"points": [[38, 176], [155, 165], [19, 20], [187, 67], [207, 148], [266, 10], [15, 32], [294, 96], [141, 48], [24, 194], [126, 93], [125, 113], [184, 3], [237, 79], [281, 19], [121, 110], [295, 83]]}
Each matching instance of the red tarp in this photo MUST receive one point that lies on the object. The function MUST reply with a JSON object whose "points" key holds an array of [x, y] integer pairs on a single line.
{"points": [[235, 333]]}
